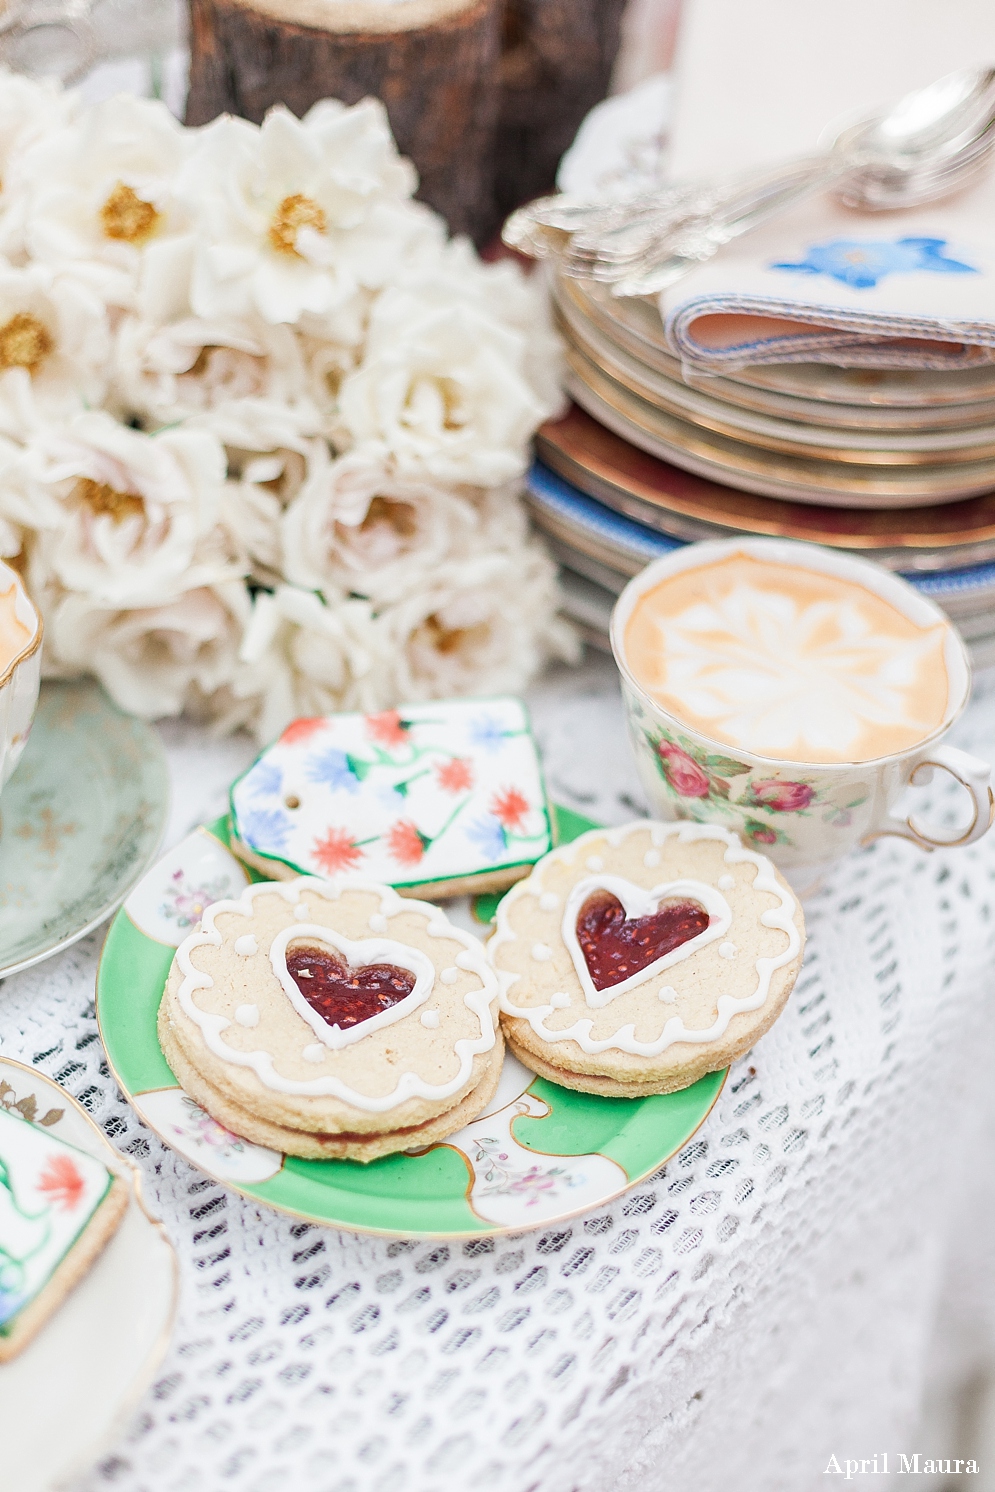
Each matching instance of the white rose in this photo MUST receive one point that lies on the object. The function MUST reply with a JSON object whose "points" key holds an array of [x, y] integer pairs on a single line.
{"points": [[54, 347], [30, 109], [101, 188], [154, 660], [358, 525], [189, 367], [444, 389], [139, 513], [504, 292], [259, 489], [295, 217], [302, 656], [482, 623]]}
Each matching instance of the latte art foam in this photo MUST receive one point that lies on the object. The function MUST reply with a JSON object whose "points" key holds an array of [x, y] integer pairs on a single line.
{"points": [[787, 662]]}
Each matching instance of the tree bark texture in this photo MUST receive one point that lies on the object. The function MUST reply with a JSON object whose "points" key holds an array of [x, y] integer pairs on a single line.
{"points": [[556, 65], [439, 80]]}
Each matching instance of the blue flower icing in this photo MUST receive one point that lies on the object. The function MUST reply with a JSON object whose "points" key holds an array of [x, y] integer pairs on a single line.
{"points": [[862, 262]]}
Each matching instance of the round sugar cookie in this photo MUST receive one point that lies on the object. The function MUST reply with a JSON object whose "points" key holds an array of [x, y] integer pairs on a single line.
{"points": [[332, 1015], [636, 960]]}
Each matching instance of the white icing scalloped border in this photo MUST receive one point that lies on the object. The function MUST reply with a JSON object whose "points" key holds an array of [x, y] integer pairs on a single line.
{"points": [[409, 1085], [624, 1039]]}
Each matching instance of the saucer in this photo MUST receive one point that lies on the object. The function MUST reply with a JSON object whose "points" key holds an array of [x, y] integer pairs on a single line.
{"points": [[80, 821], [67, 1396]]}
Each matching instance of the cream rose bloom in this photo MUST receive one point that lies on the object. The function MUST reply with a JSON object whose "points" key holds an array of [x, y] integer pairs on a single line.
{"points": [[138, 513], [101, 188], [358, 525], [443, 386], [259, 490], [54, 347], [295, 217], [167, 373], [482, 623], [159, 659], [304, 656], [30, 109]]}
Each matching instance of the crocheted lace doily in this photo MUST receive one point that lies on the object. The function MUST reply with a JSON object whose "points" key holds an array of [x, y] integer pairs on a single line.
{"points": [[773, 1296]]}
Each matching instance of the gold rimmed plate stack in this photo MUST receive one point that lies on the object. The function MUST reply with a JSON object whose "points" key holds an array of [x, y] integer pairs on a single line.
{"points": [[804, 433], [608, 508]]}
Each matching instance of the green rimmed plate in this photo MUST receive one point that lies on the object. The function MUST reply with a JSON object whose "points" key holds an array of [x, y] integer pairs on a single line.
{"points": [[537, 1155], [82, 817]]}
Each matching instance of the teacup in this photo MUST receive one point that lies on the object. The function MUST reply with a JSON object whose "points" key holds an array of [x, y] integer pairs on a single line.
{"points": [[20, 668], [774, 663]]}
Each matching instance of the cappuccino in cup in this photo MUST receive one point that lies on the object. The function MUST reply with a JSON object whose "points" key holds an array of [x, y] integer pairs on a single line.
{"points": [[792, 693], [789, 663]]}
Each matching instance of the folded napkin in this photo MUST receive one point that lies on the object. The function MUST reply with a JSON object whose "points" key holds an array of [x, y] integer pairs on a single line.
{"points": [[825, 284]]}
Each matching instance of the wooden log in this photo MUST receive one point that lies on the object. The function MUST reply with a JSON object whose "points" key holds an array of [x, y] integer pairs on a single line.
{"points": [[556, 64], [434, 63]]}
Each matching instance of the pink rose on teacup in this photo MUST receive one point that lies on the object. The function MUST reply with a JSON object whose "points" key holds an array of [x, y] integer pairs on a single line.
{"points": [[682, 772], [781, 797]]}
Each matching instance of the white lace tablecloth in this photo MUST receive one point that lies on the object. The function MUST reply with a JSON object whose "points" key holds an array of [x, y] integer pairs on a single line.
{"points": [[779, 1293]]}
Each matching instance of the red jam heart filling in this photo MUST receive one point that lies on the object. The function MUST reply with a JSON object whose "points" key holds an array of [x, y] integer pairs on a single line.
{"points": [[342, 996], [616, 947]]}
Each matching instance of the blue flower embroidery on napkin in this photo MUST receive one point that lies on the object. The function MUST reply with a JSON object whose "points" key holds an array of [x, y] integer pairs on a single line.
{"points": [[862, 262]]}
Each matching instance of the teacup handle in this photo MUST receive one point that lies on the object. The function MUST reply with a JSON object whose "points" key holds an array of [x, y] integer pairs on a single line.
{"points": [[972, 773]]}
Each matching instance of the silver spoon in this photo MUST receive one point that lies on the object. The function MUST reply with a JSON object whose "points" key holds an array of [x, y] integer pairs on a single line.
{"points": [[931, 143]]}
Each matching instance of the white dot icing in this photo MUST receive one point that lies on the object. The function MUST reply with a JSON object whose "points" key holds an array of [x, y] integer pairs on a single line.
{"points": [[449, 976], [430, 1018], [247, 1015], [246, 946], [378, 922], [594, 862], [541, 953], [559, 1001], [726, 882], [548, 901], [728, 950], [301, 912], [651, 858], [667, 994], [314, 1053]]}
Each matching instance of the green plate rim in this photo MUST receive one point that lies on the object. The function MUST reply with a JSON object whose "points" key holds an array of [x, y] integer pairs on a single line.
{"points": [[708, 1088]]}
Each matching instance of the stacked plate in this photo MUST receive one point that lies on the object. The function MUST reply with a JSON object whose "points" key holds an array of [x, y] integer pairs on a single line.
{"points": [[608, 508], [852, 438]]}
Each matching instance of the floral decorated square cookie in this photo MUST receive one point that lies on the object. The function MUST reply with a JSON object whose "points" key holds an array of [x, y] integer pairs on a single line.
{"points": [[438, 798], [58, 1208]]}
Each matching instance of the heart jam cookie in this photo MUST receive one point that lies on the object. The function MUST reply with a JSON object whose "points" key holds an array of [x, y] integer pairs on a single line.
{"points": [[636, 960], [333, 1019], [342, 996], [441, 799], [616, 947], [58, 1209]]}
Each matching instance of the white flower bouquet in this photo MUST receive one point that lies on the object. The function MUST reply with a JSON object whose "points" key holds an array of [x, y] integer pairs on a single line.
{"points": [[262, 423]]}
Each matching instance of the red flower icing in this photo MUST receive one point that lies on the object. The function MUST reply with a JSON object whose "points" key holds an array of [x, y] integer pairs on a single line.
{"points": [[682, 771], [337, 851], [388, 728], [405, 843], [299, 730], [454, 776], [510, 807], [782, 797], [62, 1183]]}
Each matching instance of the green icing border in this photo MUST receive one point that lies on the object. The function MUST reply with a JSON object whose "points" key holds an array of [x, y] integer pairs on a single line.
{"points": [[422, 1195]]}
